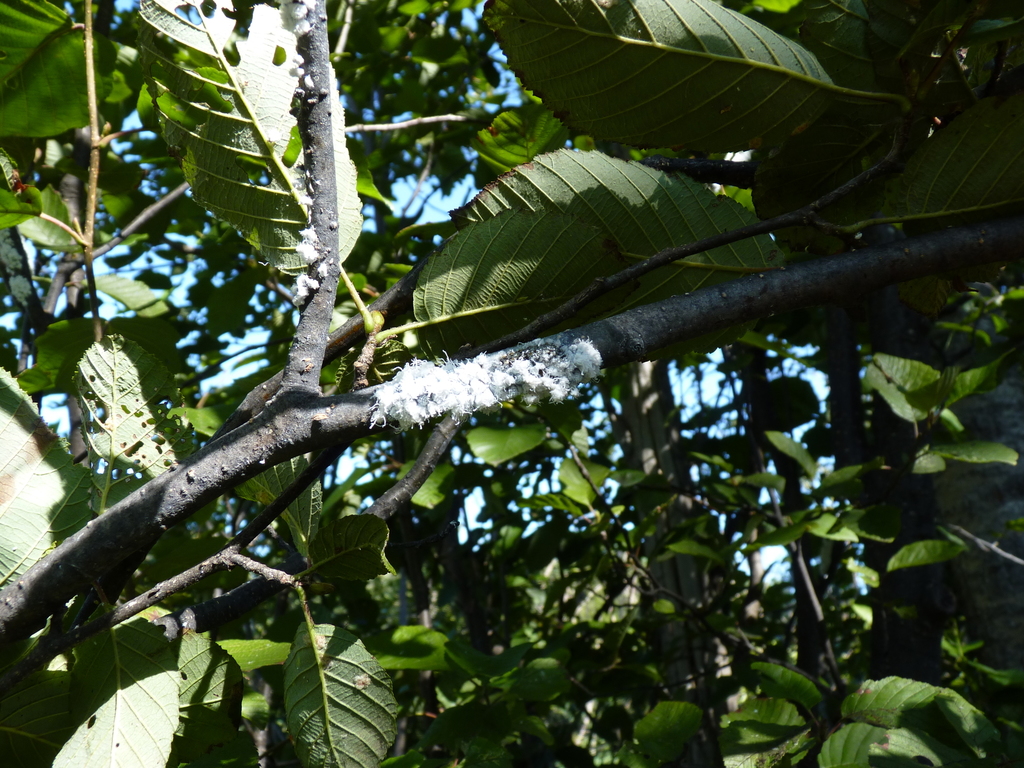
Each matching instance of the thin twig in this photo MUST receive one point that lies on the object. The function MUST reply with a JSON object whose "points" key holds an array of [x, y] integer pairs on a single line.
{"points": [[144, 216], [414, 122], [346, 26], [92, 193], [986, 546], [261, 569]]}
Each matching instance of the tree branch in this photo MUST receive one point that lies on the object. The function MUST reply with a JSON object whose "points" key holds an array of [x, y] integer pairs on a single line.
{"points": [[395, 301], [298, 422], [316, 105], [401, 492]]}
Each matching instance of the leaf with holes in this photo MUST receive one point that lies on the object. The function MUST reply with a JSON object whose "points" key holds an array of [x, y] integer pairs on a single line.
{"points": [[210, 697], [340, 707], [44, 497], [124, 698], [127, 395], [229, 122], [662, 72]]}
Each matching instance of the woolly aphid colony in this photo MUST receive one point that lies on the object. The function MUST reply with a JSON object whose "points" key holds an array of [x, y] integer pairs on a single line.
{"points": [[539, 370]]}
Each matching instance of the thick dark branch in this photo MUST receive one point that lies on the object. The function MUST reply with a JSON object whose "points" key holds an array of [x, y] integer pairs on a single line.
{"points": [[639, 333], [316, 105], [736, 174], [298, 422]]}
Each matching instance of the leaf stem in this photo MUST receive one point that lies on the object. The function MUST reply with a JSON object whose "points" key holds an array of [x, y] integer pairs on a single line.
{"points": [[848, 229], [387, 334], [70, 230]]}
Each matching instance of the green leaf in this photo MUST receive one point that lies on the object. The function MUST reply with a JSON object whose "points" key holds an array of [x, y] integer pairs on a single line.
{"points": [[783, 683], [484, 753], [763, 732], [868, 575], [482, 665], [134, 294], [517, 136], [239, 753], [695, 549], [977, 452], [954, 177], [303, 514], [897, 703], [210, 697], [230, 124], [893, 377], [543, 679], [778, 537], [850, 745], [766, 480], [351, 548], [880, 522], [496, 446], [679, 72], [435, 488], [45, 496], [575, 486], [836, 31], [828, 154], [124, 697], [981, 379], [253, 654], [387, 359], [42, 71], [924, 552], [664, 731], [16, 208], [46, 234], [794, 450], [127, 395], [339, 704], [579, 216], [35, 717], [409, 647], [928, 463]]}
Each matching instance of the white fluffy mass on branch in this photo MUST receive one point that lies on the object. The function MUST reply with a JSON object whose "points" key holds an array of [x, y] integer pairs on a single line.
{"points": [[535, 371]]}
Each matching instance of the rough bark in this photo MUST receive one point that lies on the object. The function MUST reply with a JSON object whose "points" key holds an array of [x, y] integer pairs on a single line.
{"points": [[651, 440]]}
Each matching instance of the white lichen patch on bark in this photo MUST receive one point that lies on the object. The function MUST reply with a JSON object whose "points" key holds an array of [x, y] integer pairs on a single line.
{"points": [[539, 370]]}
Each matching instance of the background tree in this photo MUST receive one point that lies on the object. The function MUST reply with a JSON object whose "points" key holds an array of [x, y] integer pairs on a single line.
{"points": [[703, 555]]}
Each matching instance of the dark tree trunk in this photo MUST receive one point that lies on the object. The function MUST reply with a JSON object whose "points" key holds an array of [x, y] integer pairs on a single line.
{"points": [[911, 605]]}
